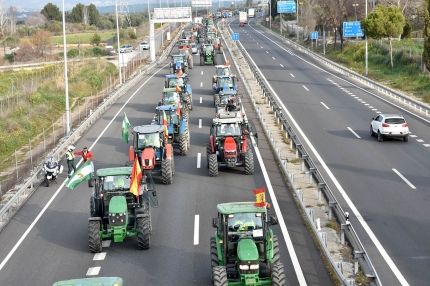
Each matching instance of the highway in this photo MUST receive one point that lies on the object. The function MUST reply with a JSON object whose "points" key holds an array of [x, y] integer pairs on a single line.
{"points": [[47, 240], [383, 185]]}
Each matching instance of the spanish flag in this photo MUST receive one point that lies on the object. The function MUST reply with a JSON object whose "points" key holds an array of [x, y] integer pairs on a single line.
{"points": [[165, 123], [178, 89], [178, 109], [136, 177], [180, 73], [260, 197], [227, 63]]}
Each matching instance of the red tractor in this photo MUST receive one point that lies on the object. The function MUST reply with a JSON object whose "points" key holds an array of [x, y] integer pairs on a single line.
{"points": [[229, 144]]}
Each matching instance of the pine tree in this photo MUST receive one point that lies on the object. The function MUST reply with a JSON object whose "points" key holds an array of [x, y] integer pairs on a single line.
{"points": [[426, 52]]}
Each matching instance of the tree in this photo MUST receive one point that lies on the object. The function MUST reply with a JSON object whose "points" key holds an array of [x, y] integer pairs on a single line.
{"points": [[35, 19], [384, 22], [426, 52], [27, 52], [77, 14], [51, 12], [41, 41], [93, 14], [95, 39]]}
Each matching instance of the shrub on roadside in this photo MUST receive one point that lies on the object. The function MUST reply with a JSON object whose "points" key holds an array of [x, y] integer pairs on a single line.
{"points": [[73, 53]]}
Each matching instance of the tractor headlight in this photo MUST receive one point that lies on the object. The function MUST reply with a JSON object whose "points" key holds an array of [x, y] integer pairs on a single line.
{"points": [[243, 267], [254, 266]]}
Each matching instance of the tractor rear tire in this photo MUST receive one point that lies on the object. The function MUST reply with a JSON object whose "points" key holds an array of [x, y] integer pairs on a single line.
{"points": [[208, 152], [202, 61], [186, 69], [276, 253], [249, 163], [188, 139], [213, 165], [215, 59], [219, 276], [214, 253], [94, 239], [172, 71], [191, 61], [278, 274], [173, 162], [93, 211], [166, 172], [183, 144], [217, 100], [143, 233]]}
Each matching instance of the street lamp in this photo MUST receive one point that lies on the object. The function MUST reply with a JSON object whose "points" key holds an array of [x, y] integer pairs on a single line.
{"points": [[66, 81], [355, 5], [117, 34], [298, 26]]}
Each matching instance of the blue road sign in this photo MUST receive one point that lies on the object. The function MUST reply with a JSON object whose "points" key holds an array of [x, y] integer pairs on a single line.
{"points": [[314, 35], [352, 29], [235, 36], [286, 7]]}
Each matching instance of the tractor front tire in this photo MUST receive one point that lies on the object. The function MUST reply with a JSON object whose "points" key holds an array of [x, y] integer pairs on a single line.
{"points": [[191, 61], [143, 233], [173, 161], [183, 144], [276, 254], [166, 172], [278, 274], [217, 100], [214, 253], [213, 165], [94, 239], [219, 276], [202, 61], [249, 163]]}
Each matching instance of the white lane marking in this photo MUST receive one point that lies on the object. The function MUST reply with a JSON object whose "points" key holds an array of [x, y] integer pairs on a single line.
{"points": [[201, 84], [325, 105], [200, 99], [413, 136], [370, 106], [199, 160], [353, 208], [404, 179], [261, 47], [106, 243], [426, 145], [352, 131], [356, 97], [292, 75], [287, 238], [196, 229], [200, 123], [281, 65], [363, 102], [202, 72], [420, 140], [93, 271], [367, 104], [99, 256], [305, 87], [18, 243], [267, 52], [374, 109], [273, 58], [378, 112]]}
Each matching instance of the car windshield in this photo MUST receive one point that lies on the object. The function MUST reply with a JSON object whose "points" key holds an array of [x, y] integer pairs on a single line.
{"points": [[174, 81], [148, 140], [177, 59], [171, 98], [230, 129], [395, 120], [226, 81], [172, 117], [111, 183], [244, 222]]}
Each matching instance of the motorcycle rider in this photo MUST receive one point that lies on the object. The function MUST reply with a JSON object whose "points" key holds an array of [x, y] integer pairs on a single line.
{"points": [[70, 157]]}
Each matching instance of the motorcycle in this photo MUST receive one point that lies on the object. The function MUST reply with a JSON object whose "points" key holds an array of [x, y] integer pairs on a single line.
{"points": [[51, 169]]}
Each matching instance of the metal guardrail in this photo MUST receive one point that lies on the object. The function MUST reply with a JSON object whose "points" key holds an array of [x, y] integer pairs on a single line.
{"points": [[347, 231], [7, 211]]}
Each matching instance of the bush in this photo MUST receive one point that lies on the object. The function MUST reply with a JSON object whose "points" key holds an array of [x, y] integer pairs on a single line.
{"points": [[97, 52], [9, 57], [407, 31], [95, 39], [73, 53], [132, 34]]}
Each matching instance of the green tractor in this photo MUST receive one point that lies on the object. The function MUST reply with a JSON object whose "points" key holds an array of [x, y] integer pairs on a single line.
{"points": [[96, 281], [117, 213], [208, 55], [244, 250]]}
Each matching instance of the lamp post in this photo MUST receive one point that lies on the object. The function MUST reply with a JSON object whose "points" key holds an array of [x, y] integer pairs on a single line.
{"points": [[367, 54], [117, 35], [66, 81], [355, 5]]}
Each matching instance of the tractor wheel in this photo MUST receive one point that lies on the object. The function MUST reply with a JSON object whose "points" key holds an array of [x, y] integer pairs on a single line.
{"points": [[208, 152], [94, 239], [183, 144], [143, 233], [214, 253], [186, 114], [276, 253], [186, 69], [191, 61], [47, 182], [166, 172], [215, 59], [171, 71], [173, 162], [188, 139], [278, 274], [202, 60], [221, 50], [219, 276], [93, 211], [249, 163], [217, 100], [213, 165]]}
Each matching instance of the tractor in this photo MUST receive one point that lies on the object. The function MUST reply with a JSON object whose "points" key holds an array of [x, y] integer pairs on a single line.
{"points": [[154, 152], [185, 91], [216, 42], [221, 70], [116, 212], [224, 83], [244, 250], [208, 55], [196, 35], [178, 62], [229, 143], [185, 50], [227, 101], [177, 126], [210, 35]]}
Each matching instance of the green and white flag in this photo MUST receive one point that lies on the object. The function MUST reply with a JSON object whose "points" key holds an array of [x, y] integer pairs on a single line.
{"points": [[125, 125], [85, 172]]}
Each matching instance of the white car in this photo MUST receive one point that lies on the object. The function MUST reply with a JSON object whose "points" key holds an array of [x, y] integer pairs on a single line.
{"points": [[389, 126], [126, 48], [144, 45], [193, 48]]}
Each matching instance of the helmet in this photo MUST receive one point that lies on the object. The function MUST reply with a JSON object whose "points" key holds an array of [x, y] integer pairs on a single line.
{"points": [[71, 148]]}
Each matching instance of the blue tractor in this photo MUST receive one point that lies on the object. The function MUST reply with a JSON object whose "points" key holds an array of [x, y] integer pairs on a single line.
{"points": [[224, 83], [185, 91], [179, 62], [177, 126]]}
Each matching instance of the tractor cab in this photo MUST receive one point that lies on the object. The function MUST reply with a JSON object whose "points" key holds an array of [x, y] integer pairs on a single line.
{"points": [[210, 36], [185, 42], [227, 100], [244, 250], [116, 212], [179, 85], [178, 62], [208, 55], [221, 70], [224, 83]]}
